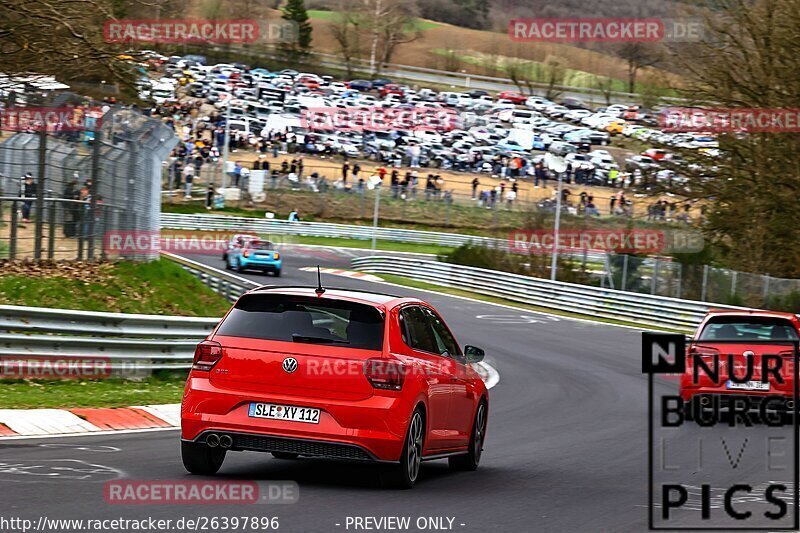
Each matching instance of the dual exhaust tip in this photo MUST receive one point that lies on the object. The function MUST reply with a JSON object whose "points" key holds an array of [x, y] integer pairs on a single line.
{"points": [[223, 441]]}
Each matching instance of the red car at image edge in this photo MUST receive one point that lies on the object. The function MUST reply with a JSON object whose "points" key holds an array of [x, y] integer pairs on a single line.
{"points": [[336, 373], [742, 335]]}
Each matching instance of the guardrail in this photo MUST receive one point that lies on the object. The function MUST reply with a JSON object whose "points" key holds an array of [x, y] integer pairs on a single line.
{"points": [[227, 284], [203, 222], [635, 308], [66, 321], [133, 343]]}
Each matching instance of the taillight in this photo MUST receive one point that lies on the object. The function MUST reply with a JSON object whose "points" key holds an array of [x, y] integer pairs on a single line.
{"points": [[206, 355], [246, 253], [384, 374], [705, 353], [277, 255]]}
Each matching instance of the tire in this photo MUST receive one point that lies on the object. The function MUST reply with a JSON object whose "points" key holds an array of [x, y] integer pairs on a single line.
{"points": [[284, 455], [200, 459], [469, 462], [405, 474], [278, 273], [239, 268]]}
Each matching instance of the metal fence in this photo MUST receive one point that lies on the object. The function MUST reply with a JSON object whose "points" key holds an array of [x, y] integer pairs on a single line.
{"points": [[132, 345], [62, 194], [128, 341], [656, 276], [635, 308], [135, 344]]}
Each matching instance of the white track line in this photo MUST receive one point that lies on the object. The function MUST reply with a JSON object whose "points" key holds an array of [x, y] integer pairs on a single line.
{"points": [[87, 434]]}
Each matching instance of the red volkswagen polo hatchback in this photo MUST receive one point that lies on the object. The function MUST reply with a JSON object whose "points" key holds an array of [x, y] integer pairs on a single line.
{"points": [[731, 355], [336, 373]]}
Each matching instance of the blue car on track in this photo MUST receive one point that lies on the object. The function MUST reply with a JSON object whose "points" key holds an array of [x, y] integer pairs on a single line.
{"points": [[255, 255]]}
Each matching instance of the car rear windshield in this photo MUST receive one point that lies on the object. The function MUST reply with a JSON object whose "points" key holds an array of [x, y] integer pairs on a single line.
{"points": [[260, 245], [303, 319], [749, 329]]}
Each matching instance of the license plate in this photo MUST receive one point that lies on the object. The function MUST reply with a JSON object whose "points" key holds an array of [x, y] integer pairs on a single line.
{"points": [[749, 385], [284, 412]]}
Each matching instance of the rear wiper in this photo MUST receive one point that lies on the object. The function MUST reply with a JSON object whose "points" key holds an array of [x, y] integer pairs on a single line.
{"points": [[320, 340]]}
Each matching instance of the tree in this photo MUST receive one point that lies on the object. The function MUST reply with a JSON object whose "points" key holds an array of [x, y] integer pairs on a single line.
{"points": [[638, 56], [390, 23], [345, 29], [382, 24], [295, 11], [61, 38], [748, 59], [556, 72]]}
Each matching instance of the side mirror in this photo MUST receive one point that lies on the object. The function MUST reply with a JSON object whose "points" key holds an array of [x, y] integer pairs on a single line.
{"points": [[473, 354]]}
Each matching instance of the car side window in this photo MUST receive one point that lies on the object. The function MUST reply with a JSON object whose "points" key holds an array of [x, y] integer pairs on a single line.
{"points": [[445, 341], [420, 336]]}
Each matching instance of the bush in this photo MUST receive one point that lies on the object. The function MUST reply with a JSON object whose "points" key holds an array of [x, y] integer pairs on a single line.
{"points": [[537, 265]]}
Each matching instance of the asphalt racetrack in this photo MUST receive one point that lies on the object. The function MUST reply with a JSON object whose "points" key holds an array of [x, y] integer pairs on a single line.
{"points": [[567, 444]]}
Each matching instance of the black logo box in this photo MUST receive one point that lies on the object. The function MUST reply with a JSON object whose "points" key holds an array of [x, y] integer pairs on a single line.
{"points": [[665, 353]]}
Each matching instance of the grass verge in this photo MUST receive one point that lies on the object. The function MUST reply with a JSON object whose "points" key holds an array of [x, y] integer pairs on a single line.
{"points": [[416, 284], [158, 287], [68, 393]]}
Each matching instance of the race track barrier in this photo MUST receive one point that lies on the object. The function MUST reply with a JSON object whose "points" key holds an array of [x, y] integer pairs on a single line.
{"points": [[631, 307], [203, 222], [133, 344]]}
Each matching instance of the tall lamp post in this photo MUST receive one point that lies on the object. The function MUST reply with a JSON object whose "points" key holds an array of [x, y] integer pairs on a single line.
{"points": [[558, 165], [375, 183], [227, 142]]}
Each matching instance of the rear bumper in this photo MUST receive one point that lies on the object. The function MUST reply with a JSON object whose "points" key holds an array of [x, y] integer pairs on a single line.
{"points": [[376, 424], [723, 399], [306, 447], [264, 264]]}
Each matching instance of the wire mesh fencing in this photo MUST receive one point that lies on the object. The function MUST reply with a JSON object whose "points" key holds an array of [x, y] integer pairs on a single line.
{"points": [[63, 195]]}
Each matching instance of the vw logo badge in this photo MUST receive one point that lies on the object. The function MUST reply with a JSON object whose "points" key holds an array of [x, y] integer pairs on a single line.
{"points": [[289, 365]]}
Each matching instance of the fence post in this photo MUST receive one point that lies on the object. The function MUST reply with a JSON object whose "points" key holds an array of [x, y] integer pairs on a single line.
{"points": [[765, 277], [654, 277], [51, 222], [704, 288], [624, 282], [93, 193], [680, 281], [607, 263], [40, 185], [12, 245], [733, 283]]}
